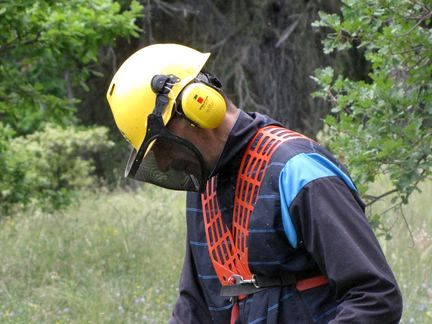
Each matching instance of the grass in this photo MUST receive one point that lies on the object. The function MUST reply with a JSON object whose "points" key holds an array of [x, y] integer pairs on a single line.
{"points": [[116, 258], [409, 253]]}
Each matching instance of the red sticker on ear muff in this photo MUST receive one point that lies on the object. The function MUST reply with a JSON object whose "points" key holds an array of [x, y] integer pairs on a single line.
{"points": [[199, 99]]}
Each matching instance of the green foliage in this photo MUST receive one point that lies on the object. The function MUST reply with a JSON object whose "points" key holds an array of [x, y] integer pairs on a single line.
{"points": [[382, 125], [48, 48], [46, 168]]}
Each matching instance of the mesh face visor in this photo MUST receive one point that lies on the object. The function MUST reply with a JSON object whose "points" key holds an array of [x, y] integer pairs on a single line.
{"points": [[171, 162], [163, 158]]}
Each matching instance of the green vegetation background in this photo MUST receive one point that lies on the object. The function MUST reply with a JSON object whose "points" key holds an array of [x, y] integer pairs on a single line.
{"points": [[78, 245]]}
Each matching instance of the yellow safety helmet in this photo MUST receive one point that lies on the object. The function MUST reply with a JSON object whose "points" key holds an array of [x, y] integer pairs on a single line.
{"points": [[130, 95], [143, 95]]}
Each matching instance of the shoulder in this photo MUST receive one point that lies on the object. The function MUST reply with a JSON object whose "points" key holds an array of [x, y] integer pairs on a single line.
{"points": [[304, 164], [304, 168], [303, 160]]}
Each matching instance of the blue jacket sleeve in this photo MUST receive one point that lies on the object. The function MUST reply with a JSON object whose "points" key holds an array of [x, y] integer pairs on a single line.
{"points": [[321, 207]]}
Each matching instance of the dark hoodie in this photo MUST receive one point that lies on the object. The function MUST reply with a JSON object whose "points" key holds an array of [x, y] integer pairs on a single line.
{"points": [[331, 236]]}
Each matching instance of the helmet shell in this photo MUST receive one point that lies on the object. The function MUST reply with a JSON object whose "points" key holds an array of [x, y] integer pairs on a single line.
{"points": [[130, 95]]}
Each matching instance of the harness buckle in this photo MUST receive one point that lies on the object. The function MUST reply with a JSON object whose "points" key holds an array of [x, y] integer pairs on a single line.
{"points": [[238, 280], [254, 281]]}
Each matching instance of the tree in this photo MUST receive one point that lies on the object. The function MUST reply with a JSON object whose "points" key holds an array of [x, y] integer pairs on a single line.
{"points": [[262, 50], [382, 125], [48, 48]]}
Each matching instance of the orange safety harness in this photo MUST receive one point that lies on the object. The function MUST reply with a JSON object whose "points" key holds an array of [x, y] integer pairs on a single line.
{"points": [[228, 250]]}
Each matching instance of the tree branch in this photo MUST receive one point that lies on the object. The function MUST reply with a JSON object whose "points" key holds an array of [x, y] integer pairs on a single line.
{"points": [[287, 32], [376, 198], [408, 227]]}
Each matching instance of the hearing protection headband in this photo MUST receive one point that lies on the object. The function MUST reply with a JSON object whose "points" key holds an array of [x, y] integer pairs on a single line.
{"points": [[162, 85]]}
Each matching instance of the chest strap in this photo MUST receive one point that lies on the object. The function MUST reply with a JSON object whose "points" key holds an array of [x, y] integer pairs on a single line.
{"points": [[258, 283]]}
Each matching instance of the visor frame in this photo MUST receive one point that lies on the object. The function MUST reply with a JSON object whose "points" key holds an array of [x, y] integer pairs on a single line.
{"points": [[156, 129]]}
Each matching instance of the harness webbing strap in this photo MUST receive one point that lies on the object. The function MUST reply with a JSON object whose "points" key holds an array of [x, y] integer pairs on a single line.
{"points": [[251, 173], [309, 283], [247, 288], [228, 249], [222, 251]]}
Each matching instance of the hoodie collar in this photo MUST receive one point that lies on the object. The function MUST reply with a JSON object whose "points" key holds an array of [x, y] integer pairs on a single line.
{"points": [[245, 127]]}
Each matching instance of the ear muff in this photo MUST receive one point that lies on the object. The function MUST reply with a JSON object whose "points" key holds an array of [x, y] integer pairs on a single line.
{"points": [[203, 105]]}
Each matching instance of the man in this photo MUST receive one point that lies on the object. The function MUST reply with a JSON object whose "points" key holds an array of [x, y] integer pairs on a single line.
{"points": [[276, 229]]}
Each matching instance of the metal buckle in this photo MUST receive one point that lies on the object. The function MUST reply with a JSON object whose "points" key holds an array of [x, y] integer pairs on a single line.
{"points": [[238, 280], [254, 281]]}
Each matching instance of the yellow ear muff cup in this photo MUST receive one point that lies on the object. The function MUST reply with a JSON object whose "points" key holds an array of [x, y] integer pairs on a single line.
{"points": [[203, 105]]}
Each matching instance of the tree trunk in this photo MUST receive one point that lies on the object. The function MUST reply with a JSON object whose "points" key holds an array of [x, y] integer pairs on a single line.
{"points": [[264, 52]]}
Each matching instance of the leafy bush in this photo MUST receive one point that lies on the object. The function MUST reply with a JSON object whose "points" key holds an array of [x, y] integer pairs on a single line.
{"points": [[382, 125], [46, 168]]}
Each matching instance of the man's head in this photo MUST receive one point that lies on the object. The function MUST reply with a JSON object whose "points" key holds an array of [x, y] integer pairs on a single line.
{"points": [[156, 91]]}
